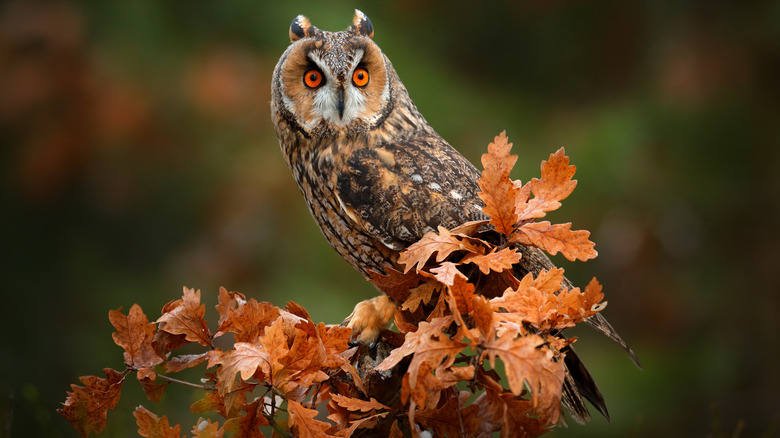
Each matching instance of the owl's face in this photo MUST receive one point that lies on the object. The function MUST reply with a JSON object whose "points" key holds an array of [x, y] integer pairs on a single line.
{"points": [[332, 83]]}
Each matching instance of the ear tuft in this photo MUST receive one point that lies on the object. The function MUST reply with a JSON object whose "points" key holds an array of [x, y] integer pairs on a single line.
{"points": [[301, 27], [361, 25]]}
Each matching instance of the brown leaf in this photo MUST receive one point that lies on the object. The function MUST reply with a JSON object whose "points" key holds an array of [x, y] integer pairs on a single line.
{"points": [[452, 419], [153, 390], [185, 317], [442, 242], [204, 428], [461, 295], [413, 339], [483, 317], [228, 301], [556, 184], [87, 406], [395, 284], [135, 334], [297, 310], [305, 423], [420, 294], [152, 426], [248, 425], [248, 320], [183, 362], [356, 404], [554, 238], [496, 261], [446, 272], [525, 362], [497, 190], [244, 359]]}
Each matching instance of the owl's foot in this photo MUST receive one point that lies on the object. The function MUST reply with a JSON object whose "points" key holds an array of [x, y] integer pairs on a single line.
{"points": [[369, 318]]}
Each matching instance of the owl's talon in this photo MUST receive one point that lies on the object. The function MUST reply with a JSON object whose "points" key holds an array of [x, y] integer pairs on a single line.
{"points": [[368, 319]]}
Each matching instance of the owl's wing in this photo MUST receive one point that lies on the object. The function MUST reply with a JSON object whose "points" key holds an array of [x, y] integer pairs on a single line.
{"points": [[398, 191]]}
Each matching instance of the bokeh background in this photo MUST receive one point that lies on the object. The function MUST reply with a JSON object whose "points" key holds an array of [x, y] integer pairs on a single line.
{"points": [[138, 156]]}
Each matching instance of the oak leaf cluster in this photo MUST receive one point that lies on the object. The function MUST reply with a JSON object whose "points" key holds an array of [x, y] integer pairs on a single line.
{"points": [[477, 350]]}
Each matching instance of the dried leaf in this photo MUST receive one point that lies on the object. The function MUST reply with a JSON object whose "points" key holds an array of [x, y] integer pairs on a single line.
{"points": [[248, 320], [305, 423], [185, 317], [413, 339], [204, 428], [248, 425], [228, 301], [154, 391], [87, 406], [152, 426], [420, 294], [446, 272], [183, 362], [135, 334], [358, 405], [497, 190], [556, 184], [496, 261], [395, 284], [442, 242], [554, 238], [525, 362]]}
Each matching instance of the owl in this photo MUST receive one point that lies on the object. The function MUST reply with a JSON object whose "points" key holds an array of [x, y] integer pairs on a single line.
{"points": [[375, 175]]}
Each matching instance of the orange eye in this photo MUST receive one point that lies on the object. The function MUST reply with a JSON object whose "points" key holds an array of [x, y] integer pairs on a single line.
{"points": [[312, 78], [360, 77]]}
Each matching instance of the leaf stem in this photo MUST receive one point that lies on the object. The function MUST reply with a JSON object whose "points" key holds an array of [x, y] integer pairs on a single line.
{"points": [[185, 383]]}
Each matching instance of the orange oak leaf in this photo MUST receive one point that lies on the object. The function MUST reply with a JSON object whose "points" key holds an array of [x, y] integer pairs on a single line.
{"points": [[395, 284], [554, 238], [152, 426], [134, 333], [248, 425], [446, 272], [420, 294], [526, 363], [497, 261], [356, 404], [460, 295], [442, 242], [86, 407], [228, 301], [243, 360], [204, 428], [248, 320], [414, 339], [555, 185], [483, 317], [154, 391], [183, 362], [497, 190], [305, 423], [452, 419], [185, 317]]}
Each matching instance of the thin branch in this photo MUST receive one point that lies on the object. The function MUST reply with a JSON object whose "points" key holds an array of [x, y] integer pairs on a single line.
{"points": [[185, 383]]}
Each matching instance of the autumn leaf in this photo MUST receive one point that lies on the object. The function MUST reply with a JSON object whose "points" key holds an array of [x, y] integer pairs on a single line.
{"points": [[152, 426], [204, 428], [248, 425], [356, 404], [228, 301], [496, 261], [446, 272], [555, 184], [135, 334], [554, 238], [420, 295], [395, 284], [87, 406], [243, 360], [442, 242], [497, 190], [248, 320], [185, 317], [526, 363], [305, 423], [147, 378], [183, 362], [414, 339], [452, 419]]}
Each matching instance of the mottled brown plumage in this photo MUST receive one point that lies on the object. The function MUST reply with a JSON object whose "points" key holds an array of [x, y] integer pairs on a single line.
{"points": [[375, 175]]}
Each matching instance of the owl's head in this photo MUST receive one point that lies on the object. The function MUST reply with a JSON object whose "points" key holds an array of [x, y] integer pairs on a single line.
{"points": [[331, 83]]}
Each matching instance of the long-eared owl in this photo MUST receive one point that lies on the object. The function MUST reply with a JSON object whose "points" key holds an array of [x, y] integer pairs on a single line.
{"points": [[375, 175]]}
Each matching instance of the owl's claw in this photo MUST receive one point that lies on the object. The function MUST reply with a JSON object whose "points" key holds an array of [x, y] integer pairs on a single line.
{"points": [[368, 319]]}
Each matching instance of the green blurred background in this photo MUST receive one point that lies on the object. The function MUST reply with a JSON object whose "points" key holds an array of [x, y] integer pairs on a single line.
{"points": [[138, 156]]}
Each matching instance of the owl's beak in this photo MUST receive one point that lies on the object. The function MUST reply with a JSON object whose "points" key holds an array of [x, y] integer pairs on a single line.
{"points": [[340, 101]]}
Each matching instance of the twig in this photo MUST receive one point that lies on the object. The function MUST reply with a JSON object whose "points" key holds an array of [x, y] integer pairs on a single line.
{"points": [[185, 383]]}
